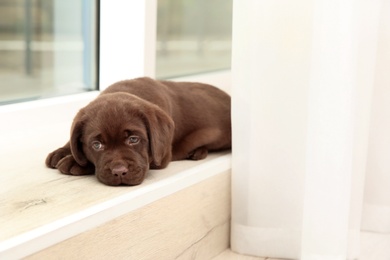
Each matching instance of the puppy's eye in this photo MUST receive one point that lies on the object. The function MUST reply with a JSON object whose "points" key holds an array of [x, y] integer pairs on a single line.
{"points": [[133, 140], [97, 145]]}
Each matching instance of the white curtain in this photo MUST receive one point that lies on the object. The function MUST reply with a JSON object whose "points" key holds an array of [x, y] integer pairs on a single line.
{"points": [[311, 126]]}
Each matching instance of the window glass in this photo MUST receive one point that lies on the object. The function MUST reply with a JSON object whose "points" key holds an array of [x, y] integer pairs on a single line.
{"points": [[47, 48], [193, 36]]}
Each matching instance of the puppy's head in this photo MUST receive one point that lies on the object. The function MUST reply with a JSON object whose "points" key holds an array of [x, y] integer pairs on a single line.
{"points": [[122, 135]]}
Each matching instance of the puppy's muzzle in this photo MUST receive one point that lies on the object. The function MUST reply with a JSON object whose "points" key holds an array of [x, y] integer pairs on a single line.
{"points": [[121, 172]]}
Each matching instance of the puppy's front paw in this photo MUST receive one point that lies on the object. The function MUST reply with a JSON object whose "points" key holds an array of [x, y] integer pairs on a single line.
{"points": [[68, 165], [198, 154], [54, 157]]}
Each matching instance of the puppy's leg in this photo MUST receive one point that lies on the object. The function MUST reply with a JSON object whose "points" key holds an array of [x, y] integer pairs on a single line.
{"points": [[198, 154], [68, 165], [195, 146], [62, 159], [54, 157]]}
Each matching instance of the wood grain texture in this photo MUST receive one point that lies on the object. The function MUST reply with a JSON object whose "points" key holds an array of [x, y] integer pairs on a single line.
{"points": [[228, 254], [190, 224]]}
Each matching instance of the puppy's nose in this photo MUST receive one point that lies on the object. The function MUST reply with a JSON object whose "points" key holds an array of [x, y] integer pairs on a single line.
{"points": [[119, 170]]}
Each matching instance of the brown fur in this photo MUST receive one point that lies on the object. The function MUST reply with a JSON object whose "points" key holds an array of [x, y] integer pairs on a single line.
{"points": [[142, 123]]}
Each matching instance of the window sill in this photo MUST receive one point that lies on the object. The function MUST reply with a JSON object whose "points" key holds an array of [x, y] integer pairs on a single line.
{"points": [[50, 207], [41, 207]]}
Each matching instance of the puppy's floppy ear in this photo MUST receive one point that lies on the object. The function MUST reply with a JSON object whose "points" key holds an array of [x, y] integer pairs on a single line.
{"points": [[76, 146], [160, 129]]}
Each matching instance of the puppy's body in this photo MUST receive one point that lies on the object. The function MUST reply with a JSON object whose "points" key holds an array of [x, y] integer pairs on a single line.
{"points": [[199, 111], [144, 123]]}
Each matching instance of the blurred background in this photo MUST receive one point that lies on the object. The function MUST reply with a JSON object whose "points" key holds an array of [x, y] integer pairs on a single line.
{"points": [[50, 47]]}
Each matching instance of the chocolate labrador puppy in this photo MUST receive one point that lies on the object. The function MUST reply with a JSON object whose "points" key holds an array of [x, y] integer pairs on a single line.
{"points": [[143, 123]]}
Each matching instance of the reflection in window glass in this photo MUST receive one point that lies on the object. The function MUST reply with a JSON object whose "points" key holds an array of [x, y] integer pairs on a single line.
{"points": [[193, 36], [47, 48]]}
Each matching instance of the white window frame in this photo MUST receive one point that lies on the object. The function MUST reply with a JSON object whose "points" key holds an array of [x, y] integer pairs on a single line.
{"points": [[127, 40]]}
